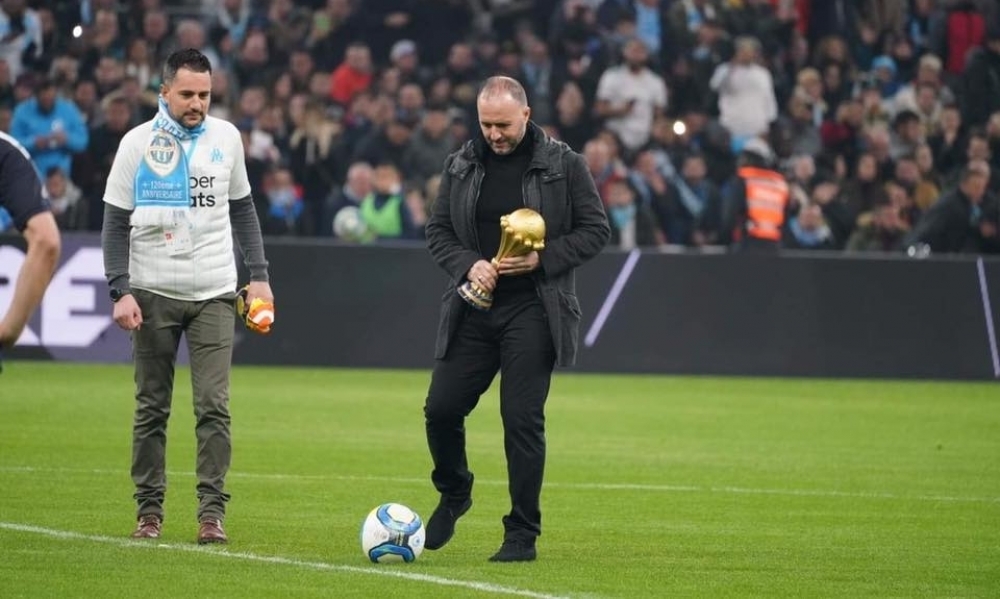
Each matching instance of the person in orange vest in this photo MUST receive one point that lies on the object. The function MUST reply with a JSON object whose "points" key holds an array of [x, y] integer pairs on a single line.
{"points": [[755, 207]]}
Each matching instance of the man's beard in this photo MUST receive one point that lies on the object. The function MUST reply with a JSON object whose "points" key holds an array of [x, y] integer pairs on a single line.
{"points": [[183, 120], [509, 144]]}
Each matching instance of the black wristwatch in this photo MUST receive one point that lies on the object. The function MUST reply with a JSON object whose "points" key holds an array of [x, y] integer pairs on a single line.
{"points": [[117, 294]]}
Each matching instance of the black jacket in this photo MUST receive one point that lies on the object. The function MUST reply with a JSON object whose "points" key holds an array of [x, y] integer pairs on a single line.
{"points": [[558, 185], [946, 225], [980, 87]]}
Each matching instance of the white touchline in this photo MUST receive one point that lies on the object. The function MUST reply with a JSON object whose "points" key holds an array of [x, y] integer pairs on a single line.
{"points": [[284, 561], [554, 485]]}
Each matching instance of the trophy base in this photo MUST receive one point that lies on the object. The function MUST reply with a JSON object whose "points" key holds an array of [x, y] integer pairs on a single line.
{"points": [[476, 296]]}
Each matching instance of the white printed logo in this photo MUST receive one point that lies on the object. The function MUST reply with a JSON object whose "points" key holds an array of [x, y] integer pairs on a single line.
{"points": [[69, 316]]}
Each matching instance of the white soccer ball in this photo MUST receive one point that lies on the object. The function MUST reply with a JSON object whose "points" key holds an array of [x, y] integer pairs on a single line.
{"points": [[392, 532], [349, 225]]}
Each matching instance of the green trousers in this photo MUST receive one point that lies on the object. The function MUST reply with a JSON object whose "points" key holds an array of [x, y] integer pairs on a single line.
{"points": [[208, 328]]}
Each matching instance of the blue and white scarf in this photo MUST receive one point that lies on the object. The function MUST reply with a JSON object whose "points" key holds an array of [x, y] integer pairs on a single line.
{"points": [[809, 237], [161, 192]]}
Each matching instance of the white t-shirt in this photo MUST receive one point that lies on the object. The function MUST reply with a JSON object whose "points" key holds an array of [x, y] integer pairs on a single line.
{"points": [[619, 85], [205, 267], [746, 98]]}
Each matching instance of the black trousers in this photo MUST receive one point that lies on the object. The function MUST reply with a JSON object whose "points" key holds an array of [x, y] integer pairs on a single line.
{"points": [[514, 339]]}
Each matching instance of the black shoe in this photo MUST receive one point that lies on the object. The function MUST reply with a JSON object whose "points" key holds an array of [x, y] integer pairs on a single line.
{"points": [[515, 551], [441, 526]]}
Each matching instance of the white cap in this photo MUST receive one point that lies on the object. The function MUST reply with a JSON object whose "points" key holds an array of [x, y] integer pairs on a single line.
{"points": [[759, 147], [402, 48]]}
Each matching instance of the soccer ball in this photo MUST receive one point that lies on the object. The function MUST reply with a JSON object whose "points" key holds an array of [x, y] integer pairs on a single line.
{"points": [[392, 532], [349, 225]]}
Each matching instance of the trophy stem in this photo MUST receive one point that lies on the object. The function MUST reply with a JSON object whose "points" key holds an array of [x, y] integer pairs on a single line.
{"points": [[476, 296]]}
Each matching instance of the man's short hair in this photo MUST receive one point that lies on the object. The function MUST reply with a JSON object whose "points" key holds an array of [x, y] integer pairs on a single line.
{"points": [[190, 59], [499, 86], [975, 168], [905, 117]]}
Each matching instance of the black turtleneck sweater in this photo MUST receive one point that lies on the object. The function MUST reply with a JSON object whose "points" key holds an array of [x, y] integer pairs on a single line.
{"points": [[502, 193]]}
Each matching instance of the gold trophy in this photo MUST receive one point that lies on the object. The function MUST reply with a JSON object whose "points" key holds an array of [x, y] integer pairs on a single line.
{"points": [[521, 232]]}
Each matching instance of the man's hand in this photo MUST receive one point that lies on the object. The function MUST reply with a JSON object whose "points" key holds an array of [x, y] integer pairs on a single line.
{"points": [[519, 265], [255, 307], [986, 229], [484, 274], [127, 313], [259, 289]]}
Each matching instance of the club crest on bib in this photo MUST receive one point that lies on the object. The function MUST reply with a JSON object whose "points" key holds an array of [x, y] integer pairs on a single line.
{"points": [[162, 154]]}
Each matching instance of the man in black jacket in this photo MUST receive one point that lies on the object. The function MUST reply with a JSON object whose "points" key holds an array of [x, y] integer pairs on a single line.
{"points": [[955, 222], [981, 80], [534, 321]]}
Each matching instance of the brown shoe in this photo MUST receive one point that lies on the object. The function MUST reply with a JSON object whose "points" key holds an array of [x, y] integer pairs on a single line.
{"points": [[148, 527], [210, 531]]}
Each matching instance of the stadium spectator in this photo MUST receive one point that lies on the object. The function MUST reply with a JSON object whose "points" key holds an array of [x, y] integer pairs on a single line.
{"points": [[255, 66], [286, 25], [956, 223], [747, 104], [429, 145], [840, 72], [313, 151], [387, 144], [334, 27], [92, 167], [630, 96], [51, 128], [385, 209], [632, 224], [285, 208], [356, 188], [65, 199], [191, 34], [881, 230], [354, 75], [603, 167], [757, 203], [233, 18], [156, 31], [20, 36]]}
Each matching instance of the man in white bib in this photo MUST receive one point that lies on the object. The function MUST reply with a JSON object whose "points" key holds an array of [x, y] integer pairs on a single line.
{"points": [[176, 195]]}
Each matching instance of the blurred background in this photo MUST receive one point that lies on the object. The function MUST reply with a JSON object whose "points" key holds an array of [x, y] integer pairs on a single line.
{"points": [[870, 108]]}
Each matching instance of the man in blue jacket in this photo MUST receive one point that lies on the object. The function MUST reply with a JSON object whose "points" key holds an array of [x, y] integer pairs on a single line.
{"points": [[51, 128]]}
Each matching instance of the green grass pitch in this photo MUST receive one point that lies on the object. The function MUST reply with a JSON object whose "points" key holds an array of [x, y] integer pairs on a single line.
{"points": [[655, 487]]}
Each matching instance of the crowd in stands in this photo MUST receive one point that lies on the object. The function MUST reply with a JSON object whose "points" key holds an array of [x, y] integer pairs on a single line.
{"points": [[877, 111]]}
